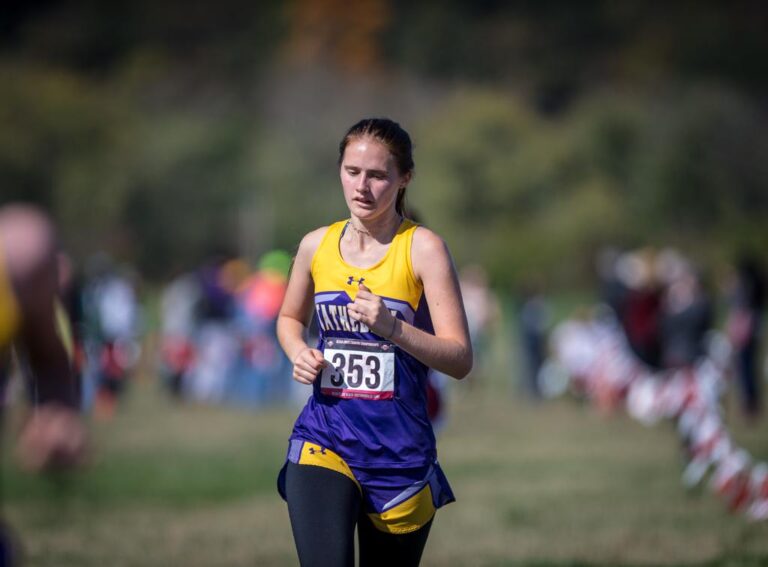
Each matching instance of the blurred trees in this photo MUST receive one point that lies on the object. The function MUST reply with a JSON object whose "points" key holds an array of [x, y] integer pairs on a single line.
{"points": [[530, 194], [543, 130]]}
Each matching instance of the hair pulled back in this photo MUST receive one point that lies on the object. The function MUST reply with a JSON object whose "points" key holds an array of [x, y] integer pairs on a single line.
{"points": [[394, 138]]}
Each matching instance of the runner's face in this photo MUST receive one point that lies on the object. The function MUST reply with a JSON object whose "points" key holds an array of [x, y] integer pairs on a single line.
{"points": [[370, 178]]}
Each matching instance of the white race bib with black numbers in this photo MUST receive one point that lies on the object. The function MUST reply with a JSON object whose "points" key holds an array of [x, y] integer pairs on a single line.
{"points": [[359, 369]]}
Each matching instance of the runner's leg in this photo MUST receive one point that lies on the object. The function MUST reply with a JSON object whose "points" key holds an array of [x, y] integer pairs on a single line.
{"points": [[380, 549], [323, 506]]}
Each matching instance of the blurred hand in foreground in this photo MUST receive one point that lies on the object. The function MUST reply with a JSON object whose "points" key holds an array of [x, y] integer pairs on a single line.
{"points": [[53, 438]]}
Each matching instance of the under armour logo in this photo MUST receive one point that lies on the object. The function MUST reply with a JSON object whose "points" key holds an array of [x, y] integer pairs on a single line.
{"points": [[352, 279], [313, 451]]}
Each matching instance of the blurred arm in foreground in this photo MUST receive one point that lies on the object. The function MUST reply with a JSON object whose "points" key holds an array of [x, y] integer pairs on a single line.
{"points": [[53, 435]]}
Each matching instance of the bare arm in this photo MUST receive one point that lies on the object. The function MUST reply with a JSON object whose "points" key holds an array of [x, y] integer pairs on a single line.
{"points": [[449, 349], [29, 252], [296, 313], [53, 435]]}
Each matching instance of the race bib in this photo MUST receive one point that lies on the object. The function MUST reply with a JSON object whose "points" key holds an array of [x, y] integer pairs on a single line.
{"points": [[359, 369]]}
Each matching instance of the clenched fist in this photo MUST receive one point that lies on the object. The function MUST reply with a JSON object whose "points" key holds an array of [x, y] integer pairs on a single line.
{"points": [[369, 308]]}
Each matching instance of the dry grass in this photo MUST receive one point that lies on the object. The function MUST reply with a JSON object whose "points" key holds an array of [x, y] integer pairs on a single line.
{"points": [[551, 485]]}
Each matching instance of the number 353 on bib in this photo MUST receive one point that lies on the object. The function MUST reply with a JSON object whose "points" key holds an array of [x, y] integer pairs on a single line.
{"points": [[359, 369]]}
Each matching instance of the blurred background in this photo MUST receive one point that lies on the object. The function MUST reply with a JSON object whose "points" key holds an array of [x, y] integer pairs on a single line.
{"points": [[568, 152]]}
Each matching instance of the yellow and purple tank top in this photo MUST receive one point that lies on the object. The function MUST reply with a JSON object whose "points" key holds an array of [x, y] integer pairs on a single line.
{"points": [[370, 405]]}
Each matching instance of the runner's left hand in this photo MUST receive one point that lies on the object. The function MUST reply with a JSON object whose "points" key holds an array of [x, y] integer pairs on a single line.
{"points": [[369, 308]]}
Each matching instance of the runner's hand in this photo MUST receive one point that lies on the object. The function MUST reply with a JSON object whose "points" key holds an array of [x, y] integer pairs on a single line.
{"points": [[308, 363], [369, 308], [53, 437]]}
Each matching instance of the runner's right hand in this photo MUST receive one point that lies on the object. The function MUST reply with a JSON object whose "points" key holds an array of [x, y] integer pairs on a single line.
{"points": [[307, 365]]}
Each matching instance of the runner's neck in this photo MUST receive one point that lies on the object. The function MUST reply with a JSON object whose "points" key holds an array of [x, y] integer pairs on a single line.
{"points": [[381, 231]]}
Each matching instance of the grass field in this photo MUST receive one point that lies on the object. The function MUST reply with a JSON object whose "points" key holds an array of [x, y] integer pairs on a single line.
{"points": [[547, 485]]}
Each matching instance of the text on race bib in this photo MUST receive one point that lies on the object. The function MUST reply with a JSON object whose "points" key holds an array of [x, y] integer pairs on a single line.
{"points": [[359, 369]]}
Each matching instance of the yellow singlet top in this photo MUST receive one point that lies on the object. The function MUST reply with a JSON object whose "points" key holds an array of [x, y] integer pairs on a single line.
{"points": [[10, 313], [391, 277]]}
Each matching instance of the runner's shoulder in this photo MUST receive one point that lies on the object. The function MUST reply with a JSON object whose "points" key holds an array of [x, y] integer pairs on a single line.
{"points": [[427, 242], [310, 243], [428, 249]]}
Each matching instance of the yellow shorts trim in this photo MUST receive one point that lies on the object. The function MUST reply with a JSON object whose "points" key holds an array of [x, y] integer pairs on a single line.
{"points": [[415, 510], [407, 516], [318, 456]]}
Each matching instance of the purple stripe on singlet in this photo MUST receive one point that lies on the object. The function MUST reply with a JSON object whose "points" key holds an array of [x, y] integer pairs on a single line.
{"points": [[329, 296], [294, 453], [408, 492]]}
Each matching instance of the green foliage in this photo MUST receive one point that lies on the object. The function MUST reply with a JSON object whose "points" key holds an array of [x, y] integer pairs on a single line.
{"points": [[542, 131], [529, 195], [187, 183]]}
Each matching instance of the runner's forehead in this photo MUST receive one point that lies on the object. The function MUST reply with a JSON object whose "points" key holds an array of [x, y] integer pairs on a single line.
{"points": [[369, 154]]}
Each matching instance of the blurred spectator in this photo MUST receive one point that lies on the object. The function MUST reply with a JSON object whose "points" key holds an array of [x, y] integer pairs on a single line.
{"points": [[216, 343], [482, 310], [612, 290], [534, 318], [179, 306], [641, 308], [112, 329], [218, 332], [746, 301], [686, 318], [261, 294], [260, 375], [216, 280]]}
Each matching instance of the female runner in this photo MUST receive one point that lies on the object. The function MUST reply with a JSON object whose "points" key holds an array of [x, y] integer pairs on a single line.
{"points": [[385, 294]]}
